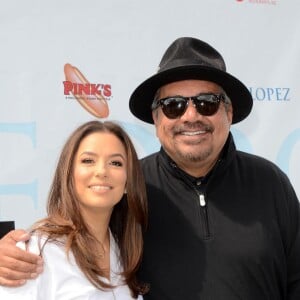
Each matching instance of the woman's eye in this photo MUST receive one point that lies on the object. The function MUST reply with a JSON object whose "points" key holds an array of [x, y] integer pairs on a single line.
{"points": [[87, 160], [116, 163]]}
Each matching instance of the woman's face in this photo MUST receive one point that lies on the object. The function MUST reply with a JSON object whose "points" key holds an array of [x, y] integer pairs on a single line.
{"points": [[100, 172]]}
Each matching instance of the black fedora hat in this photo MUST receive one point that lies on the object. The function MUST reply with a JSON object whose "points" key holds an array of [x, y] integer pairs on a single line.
{"points": [[190, 58]]}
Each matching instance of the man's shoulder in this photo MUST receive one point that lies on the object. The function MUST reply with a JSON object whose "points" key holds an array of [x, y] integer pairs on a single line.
{"points": [[150, 164], [253, 158], [261, 164], [149, 158]]}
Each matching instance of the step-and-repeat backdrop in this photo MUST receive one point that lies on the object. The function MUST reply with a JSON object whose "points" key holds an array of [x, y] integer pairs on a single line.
{"points": [[114, 46]]}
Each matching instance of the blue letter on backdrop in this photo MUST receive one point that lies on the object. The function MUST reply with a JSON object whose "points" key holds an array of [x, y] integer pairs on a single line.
{"points": [[28, 189]]}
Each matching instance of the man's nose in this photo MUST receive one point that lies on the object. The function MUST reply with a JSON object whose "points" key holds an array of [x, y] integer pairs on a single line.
{"points": [[191, 111]]}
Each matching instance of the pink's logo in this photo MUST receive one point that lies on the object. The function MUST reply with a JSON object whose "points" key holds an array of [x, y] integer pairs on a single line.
{"points": [[90, 95]]}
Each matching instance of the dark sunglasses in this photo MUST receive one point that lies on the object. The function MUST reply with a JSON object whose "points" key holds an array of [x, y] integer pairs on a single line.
{"points": [[206, 104]]}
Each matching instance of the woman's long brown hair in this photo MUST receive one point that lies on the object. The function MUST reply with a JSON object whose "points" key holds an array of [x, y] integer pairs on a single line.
{"points": [[128, 220]]}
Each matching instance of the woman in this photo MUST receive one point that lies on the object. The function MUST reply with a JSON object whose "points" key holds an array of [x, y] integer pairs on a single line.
{"points": [[91, 240]]}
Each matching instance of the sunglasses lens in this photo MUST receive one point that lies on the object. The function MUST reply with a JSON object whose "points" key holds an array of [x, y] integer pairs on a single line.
{"points": [[174, 107], [207, 105]]}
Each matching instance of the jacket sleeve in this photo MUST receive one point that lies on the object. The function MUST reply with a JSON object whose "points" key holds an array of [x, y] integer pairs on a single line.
{"points": [[293, 245]]}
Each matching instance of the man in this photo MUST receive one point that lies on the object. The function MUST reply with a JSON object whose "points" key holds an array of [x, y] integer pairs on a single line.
{"points": [[223, 224]]}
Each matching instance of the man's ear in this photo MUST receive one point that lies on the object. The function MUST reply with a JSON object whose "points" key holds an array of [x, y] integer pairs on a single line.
{"points": [[154, 115], [230, 113]]}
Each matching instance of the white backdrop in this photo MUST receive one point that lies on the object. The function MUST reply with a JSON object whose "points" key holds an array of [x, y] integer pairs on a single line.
{"points": [[120, 43]]}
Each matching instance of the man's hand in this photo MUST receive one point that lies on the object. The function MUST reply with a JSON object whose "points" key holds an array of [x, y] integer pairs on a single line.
{"points": [[16, 265]]}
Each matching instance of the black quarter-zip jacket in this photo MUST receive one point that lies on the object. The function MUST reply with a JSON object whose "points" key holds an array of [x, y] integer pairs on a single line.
{"points": [[234, 234]]}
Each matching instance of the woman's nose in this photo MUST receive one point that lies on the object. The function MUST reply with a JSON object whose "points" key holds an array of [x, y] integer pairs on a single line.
{"points": [[101, 171]]}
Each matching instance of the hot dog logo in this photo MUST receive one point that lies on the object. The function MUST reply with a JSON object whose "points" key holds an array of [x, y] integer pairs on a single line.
{"points": [[92, 97]]}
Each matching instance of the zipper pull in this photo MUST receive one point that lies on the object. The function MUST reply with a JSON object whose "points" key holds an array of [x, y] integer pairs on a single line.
{"points": [[202, 200]]}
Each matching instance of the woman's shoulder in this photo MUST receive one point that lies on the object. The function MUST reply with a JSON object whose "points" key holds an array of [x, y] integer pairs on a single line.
{"points": [[40, 243]]}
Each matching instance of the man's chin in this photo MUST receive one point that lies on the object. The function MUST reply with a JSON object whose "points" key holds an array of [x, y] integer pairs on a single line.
{"points": [[193, 154]]}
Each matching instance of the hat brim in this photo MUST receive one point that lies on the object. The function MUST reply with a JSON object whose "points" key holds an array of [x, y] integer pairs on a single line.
{"points": [[143, 96]]}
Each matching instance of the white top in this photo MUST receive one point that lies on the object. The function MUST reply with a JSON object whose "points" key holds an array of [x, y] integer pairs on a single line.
{"points": [[63, 280]]}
